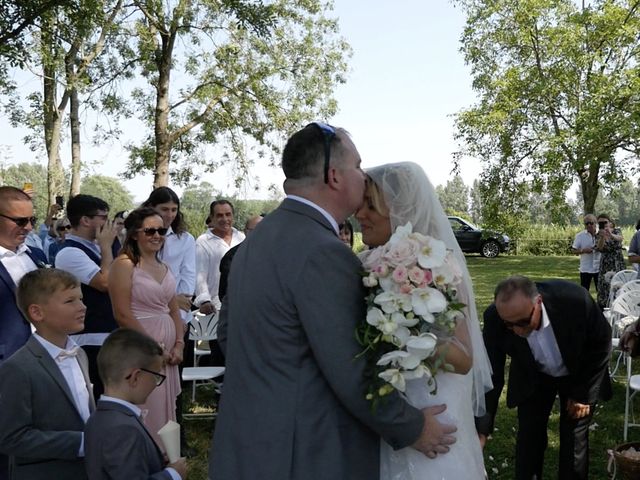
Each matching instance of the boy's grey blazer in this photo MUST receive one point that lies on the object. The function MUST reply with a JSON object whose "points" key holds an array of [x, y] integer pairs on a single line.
{"points": [[293, 404], [118, 446], [40, 426]]}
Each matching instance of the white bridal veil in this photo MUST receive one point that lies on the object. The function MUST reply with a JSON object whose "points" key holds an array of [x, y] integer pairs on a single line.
{"points": [[410, 197]]}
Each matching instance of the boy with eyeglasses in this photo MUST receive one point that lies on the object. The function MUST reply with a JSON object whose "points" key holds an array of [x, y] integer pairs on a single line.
{"points": [[45, 392], [118, 444]]}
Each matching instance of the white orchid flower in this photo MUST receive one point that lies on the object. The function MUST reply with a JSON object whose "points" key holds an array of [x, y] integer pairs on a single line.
{"points": [[432, 253], [422, 346], [391, 302], [394, 377], [395, 358], [426, 301], [419, 372], [401, 233], [382, 322], [370, 281]]}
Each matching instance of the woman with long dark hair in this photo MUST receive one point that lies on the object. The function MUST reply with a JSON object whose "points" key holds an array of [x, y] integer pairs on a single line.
{"points": [[142, 291]]}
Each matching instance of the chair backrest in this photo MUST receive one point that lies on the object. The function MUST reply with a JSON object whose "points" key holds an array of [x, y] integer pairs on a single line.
{"points": [[629, 286], [622, 277], [203, 327]]}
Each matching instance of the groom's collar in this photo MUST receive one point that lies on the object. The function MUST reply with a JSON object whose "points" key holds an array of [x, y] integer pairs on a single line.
{"points": [[324, 213]]}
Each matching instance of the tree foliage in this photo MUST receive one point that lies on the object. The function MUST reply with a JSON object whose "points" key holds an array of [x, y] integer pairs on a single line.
{"points": [[454, 197], [110, 190], [250, 73], [29, 172], [559, 94]]}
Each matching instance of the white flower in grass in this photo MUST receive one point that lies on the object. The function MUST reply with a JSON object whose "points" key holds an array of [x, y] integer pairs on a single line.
{"points": [[426, 301], [432, 253], [394, 377]]}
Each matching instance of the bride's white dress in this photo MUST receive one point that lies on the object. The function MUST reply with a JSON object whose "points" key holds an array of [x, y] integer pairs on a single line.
{"points": [[464, 460]]}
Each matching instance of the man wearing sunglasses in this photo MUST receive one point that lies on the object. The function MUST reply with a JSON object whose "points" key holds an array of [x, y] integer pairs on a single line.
{"points": [[86, 253], [584, 245], [559, 343], [16, 259]]}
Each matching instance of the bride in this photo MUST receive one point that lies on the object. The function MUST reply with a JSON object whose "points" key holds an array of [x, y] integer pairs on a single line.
{"points": [[396, 194]]}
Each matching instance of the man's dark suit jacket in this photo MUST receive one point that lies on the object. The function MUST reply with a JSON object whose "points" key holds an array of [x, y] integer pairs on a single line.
{"points": [[118, 446], [14, 329], [225, 268], [584, 341]]}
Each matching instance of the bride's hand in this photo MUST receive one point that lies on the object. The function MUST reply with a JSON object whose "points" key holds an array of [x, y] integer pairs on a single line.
{"points": [[483, 440]]}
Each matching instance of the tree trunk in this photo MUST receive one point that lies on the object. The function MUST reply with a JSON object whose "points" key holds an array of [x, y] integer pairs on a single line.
{"points": [[75, 143], [52, 115], [163, 139], [589, 185]]}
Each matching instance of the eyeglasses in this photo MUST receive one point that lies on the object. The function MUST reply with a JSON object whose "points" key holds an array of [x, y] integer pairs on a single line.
{"points": [[524, 323], [150, 232], [589, 223], [160, 378], [63, 227], [21, 221], [328, 133]]}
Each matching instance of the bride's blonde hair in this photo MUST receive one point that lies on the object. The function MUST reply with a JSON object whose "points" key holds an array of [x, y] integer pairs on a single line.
{"points": [[374, 195]]}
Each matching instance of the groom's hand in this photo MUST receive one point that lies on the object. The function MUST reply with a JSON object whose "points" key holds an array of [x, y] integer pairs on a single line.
{"points": [[435, 437]]}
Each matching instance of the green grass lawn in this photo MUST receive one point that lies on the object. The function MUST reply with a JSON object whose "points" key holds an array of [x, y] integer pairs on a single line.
{"points": [[499, 455]]}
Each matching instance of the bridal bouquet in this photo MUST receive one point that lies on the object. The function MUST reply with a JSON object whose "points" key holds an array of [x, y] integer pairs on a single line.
{"points": [[411, 305]]}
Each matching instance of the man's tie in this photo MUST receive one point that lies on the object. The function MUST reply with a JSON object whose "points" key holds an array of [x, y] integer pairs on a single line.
{"points": [[72, 352]]}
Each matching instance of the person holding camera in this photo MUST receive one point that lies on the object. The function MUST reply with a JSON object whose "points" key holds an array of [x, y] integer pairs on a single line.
{"points": [[609, 244]]}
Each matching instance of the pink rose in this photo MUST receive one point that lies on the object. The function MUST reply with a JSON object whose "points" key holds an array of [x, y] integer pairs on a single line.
{"points": [[406, 288], [417, 275], [400, 274], [403, 252]]}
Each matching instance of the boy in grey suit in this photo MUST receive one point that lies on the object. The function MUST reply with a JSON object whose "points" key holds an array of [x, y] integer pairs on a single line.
{"points": [[45, 393], [118, 444]]}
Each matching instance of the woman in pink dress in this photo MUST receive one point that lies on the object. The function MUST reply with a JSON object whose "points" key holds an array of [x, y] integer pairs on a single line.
{"points": [[143, 294]]}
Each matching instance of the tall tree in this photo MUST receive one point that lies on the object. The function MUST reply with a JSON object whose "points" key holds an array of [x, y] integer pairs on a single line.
{"points": [[250, 73], [559, 88], [454, 196]]}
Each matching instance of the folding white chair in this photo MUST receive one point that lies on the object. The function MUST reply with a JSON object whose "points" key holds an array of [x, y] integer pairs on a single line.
{"points": [[629, 286], [633, 386], [618, 280], [201, 328], [624, 311]]}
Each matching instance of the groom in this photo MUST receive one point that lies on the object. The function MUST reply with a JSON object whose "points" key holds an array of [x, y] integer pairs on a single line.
{"points": [[293, 403]]}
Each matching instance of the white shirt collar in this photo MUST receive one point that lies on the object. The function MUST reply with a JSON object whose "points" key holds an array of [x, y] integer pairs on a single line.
{"points": [[124, 403], [326, 214], [52, 349], [5, 252]]}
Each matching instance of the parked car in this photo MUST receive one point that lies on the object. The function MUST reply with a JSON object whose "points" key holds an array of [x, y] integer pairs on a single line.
{"points": [[472, 239]]}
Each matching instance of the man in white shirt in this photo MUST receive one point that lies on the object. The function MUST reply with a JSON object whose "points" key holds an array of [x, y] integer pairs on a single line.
{"points": [[584, 245], [210, 248]]}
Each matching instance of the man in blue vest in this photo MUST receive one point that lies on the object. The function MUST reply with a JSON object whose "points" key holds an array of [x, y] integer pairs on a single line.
{"points": [[86, 253], [16, 259]]}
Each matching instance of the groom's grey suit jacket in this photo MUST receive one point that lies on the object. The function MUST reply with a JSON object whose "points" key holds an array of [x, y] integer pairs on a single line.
{"points": [[293, 404]]}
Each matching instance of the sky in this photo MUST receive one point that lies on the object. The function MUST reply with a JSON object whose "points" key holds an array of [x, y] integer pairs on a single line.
{"points": [[406, 79]]}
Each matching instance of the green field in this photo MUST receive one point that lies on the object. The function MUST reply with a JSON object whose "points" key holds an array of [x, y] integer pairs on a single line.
{"points": [[499, 455]]}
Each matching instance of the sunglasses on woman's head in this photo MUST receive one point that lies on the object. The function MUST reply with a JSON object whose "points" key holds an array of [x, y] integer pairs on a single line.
{"points": [[150, 232]]}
